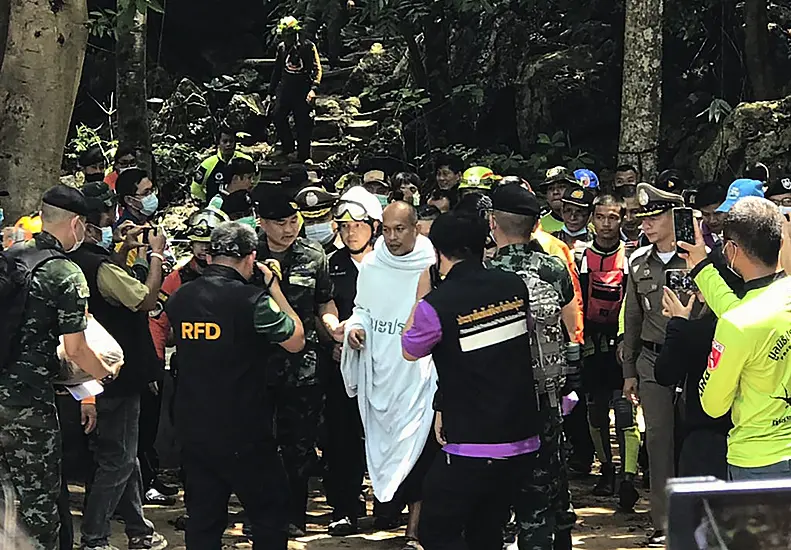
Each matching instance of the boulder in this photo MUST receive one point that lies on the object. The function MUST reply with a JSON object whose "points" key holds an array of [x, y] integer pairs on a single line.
{"points": [[378, 67], [185, 116], [753, 132], [247, 113]]}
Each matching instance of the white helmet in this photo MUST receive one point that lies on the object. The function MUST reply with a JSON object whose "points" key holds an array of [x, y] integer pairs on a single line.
{"points": [[357, 204]]}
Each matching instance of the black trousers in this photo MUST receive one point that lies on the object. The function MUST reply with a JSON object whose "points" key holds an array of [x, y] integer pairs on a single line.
{"points": [[292, 98], [577, 431], [466, 501], [255, 476], [704, 453], [150, 406], [344, 449]]}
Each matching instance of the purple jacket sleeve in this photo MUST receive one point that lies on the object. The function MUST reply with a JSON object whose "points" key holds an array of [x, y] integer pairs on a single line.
{"points": [[426, 331]]}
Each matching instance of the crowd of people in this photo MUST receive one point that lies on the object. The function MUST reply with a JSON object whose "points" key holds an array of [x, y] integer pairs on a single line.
{"points": [[463, 342]]}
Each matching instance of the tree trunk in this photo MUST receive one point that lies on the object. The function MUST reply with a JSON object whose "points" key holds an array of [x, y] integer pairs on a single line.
{"points": [[40, 68], [756, 49], [641, 97], [130, 72]]}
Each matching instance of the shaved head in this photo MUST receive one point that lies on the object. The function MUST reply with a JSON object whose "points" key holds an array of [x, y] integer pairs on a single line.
{"points": [[399, 228]]}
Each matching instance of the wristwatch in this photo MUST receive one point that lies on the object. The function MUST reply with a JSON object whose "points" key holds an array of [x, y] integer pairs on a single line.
{"points": [[107, 379]]}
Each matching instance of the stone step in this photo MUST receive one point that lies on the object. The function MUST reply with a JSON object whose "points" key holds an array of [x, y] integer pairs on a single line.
{"points": [[362, 129], [327, 128], [378, 115], [322, 150]]}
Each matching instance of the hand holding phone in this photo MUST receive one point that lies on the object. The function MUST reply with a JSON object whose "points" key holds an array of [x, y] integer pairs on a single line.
{"points": [[683, 227]]}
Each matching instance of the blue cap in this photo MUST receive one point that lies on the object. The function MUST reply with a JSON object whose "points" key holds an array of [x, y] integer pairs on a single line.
{"points": [[738, 190], [587, 178]]}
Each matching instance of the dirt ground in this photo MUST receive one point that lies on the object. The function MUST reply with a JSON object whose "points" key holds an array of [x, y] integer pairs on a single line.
{"points": [[599, 527]]}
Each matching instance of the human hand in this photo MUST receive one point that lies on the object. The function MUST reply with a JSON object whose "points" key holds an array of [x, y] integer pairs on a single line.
{"points": [[88, 416], [156, 239], [311, 96], [274, 267], [129, 234], [630, 390], [672, 306], [337, 333], [357, 338], [694, 253], [439, 432], [153, 387]]}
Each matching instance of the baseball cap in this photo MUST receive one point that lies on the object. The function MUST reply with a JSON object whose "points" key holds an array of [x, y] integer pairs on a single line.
{"points": [[99, 195], [738, 190], [515, 199], [708, 195], [67, 198], [781, 185], [558, 174], [276, 205], [374, 176], [579, 197]]}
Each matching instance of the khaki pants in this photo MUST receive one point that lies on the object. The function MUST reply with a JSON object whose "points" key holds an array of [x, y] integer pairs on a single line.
{"points": [[657, 402]]}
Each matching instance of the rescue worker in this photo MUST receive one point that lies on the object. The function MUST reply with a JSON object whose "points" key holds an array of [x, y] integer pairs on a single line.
{"points": [[603, 277], [543, 505], [209, 178], [220, 320], [748, 356], [376, 182], [554, 186], [477, 180], [626, 178], [295, 80], [92, 163], [315, 205], [299, 395], [359, 217], [475, 324], [577, 209], [779, 192], [644, 334], [30, 449], [129, 409], [236, 176]]}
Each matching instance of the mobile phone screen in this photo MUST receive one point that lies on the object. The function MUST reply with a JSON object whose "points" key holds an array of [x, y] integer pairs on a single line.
{"points": [[683, 225], [680, 282]]}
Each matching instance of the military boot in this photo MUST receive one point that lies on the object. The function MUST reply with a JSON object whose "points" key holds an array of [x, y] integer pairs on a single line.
{"points": [[605, 487]]}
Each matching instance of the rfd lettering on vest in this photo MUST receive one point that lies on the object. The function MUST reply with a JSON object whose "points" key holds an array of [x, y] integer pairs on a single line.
{"points": [[200, 331]]}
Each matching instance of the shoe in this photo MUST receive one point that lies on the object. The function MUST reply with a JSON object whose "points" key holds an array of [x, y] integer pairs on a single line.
{"points": [[385, 523], [605, 487], [154, 541], [180, 523], [627, 494], [657, 539], [107, 546], [342, 528], [154, 497], [167, 490], [411, 544], [295, 532]]}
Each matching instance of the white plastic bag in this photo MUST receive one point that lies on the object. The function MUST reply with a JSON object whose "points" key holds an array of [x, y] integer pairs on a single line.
{"points": [[101, 342]]}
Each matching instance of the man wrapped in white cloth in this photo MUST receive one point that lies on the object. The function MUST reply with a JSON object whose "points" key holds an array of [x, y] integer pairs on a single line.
{"points": [[394, 395]]}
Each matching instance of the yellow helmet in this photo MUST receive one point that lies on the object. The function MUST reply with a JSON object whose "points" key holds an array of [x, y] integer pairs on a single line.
{"points": [[202, 223], [288, 24], [29, 224], [478, 177]]}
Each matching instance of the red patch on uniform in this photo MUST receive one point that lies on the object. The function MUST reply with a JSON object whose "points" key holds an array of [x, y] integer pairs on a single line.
{"points": [[715, 355]]}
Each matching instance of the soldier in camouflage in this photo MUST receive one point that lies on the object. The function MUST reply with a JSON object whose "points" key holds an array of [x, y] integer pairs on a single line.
{"points": [[543, 505], [299, 396], [30, 445]]}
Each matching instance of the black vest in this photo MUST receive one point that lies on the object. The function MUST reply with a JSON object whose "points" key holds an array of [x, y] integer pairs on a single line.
{"points": [[129, 328], [483, 360], [222, 399]]}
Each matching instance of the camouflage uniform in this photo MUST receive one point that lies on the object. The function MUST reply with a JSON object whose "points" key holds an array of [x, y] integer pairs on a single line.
{"points": [[543, 505], [299, 396], [30, 446]]}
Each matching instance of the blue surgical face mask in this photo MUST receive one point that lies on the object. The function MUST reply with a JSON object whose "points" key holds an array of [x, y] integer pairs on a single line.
{"points": [[107, 238], [384, 200], [248, 220], [320, 232], [149, 205], [577, 233], [785, 210], [2, 217]]}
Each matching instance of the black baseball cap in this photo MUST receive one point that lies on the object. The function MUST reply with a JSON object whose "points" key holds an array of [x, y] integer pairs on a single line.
{"points": [[579, 196], [67, 198], [295, 177], [515, 199], [99, 195], [92, 156], [276, 205], [711, 194]]}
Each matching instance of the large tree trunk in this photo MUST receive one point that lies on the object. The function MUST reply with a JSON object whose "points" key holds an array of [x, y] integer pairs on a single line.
{"points": [[756, 49], [130, 59], [40, 68], [641, 99]]}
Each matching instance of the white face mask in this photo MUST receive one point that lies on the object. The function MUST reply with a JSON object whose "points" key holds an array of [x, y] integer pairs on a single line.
{"points": [[575, 233], [320, 232], [785, 211]]}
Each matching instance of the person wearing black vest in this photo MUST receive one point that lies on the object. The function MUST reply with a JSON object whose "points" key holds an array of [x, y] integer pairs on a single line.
{"points": [[120, 304], [475, 324], [224, 330]]}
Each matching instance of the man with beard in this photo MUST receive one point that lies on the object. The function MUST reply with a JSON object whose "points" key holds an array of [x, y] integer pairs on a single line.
{"points": [[359, 217], [399, 445]]}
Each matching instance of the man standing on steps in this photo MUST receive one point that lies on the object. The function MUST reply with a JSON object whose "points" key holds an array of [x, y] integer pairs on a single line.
{"points": [[295, 80]]}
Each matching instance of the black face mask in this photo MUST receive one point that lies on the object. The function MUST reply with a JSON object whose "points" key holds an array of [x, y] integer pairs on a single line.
{"points": [[98, 176]]}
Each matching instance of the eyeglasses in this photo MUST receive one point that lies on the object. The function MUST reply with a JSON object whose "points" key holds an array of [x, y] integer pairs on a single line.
{"points": [[350, 211], [125, 163], [782, 202]]}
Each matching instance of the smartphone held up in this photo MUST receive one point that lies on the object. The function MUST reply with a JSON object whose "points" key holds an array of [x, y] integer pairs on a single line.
{"points": [[683, 226]]}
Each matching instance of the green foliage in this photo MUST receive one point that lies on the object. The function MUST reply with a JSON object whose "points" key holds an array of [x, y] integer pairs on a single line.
{"points": [[105, 22], [88, 137], [102, 23], [556, 150], [717, 109], [176, 162]]}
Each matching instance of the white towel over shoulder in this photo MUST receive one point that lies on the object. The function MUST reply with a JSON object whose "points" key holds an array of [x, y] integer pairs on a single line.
{"points": [[394, 395]]}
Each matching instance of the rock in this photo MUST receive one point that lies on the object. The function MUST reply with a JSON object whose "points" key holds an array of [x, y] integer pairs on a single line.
{"points": [[246, 113], [364, 129], [753, 132], [375, 68], [186, 116], [327, 127]]}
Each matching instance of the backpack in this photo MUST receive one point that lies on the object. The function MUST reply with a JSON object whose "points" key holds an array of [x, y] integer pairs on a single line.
{"points": [[606, 289], [17, 266]]}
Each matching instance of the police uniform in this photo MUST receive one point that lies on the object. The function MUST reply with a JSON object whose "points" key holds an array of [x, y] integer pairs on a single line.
{"points": [[644, 334], [475, 326], [543, 505], [30, 441], [315, 205], [224, 328], [299, 393]]}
